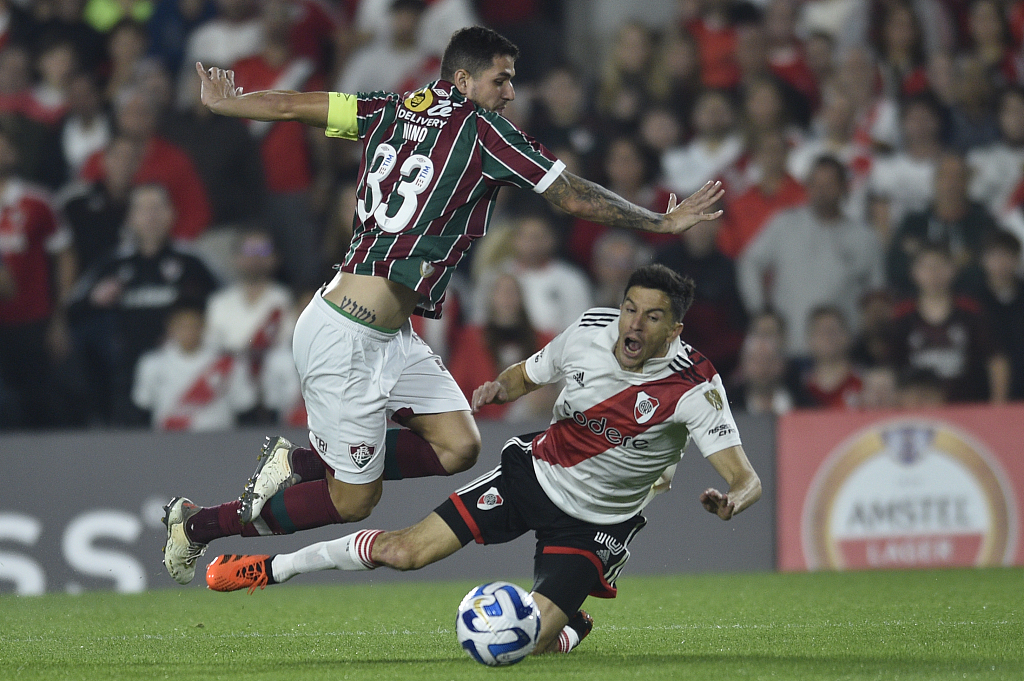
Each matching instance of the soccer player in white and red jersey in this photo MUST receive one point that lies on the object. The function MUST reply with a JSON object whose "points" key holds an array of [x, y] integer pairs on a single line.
{"points": [[634, 395], [433, 162]]}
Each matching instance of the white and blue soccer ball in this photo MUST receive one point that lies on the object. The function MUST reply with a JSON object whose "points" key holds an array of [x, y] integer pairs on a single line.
{"points": [[498, 624]]}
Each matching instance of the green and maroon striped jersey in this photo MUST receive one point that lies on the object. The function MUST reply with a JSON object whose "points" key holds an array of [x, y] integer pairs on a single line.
{"points": [[432, 165]]}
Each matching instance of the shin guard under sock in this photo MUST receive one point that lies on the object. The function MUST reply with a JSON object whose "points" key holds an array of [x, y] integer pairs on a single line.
{"points": [[407, 455], [300, 507]]}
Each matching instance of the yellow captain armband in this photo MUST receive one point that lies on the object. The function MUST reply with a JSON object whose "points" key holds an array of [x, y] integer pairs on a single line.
{"points": [[341, 116]]}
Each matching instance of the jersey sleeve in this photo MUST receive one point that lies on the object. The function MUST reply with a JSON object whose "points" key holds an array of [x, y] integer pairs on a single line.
{"points": [[511, 157], [546, 366], [706, 413]]}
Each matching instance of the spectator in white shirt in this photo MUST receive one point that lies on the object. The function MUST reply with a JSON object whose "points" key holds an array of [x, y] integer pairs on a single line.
{"points": [[813, 255], [254, 315], [395, 61], [555, 292], [998, 168], [904, 182], [716, 143], [187, 385]]}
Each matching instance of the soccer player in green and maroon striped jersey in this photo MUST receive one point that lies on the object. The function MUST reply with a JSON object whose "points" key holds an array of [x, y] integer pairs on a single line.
{"points": [[433, 162]]}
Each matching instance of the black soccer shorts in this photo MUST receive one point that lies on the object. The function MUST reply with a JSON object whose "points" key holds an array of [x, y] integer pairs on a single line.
{"points": [[573, 559]]}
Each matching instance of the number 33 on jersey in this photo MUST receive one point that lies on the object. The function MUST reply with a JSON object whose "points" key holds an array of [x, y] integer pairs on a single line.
{"points": [[432, 165]]}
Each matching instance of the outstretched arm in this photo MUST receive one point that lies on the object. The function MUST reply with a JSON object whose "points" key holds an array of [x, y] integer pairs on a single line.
{"points": [[590, 201], [511, 384], [220, 96], [744, 485]]}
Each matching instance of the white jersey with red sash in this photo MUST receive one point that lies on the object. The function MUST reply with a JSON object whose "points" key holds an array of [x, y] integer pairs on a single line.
{"points": [[250, 328], [614, 432], [203, 390]]}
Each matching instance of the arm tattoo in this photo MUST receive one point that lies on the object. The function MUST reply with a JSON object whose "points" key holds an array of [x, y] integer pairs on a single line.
{"points": [[363, 314], [590, 201]]}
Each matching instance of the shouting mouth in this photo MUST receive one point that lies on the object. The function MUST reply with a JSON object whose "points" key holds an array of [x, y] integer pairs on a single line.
{"points": [[631, 347]]}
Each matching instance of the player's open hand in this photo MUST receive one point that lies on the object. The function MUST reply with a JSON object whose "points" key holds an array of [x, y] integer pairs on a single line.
{"points": [[491, 392], [693, 209], [717, 503], [217, 85]]}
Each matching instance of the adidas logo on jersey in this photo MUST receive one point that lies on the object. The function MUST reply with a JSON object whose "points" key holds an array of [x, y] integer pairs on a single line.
{"points": [[578, 377]]}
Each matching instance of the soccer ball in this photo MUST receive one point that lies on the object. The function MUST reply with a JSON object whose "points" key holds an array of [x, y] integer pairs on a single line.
{"points": [[498, 624]]}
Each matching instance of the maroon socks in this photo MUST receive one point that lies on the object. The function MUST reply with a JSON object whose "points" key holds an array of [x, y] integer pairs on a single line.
{"points": [[300, 507]]}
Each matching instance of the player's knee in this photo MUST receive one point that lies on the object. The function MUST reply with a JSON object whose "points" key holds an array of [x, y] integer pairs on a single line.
{"points": [[352, 514], [463, 455], [354, 504]]}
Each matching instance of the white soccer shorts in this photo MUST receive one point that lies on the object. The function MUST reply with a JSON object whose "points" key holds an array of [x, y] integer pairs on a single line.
{"points": [[354, 378]]}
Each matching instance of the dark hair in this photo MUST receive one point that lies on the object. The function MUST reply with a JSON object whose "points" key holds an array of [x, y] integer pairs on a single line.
{"points": [[828, 311], [830, 161], [679, 289], [473, 49], [925, 99], [418, 6], [1001, 239], [649, 158], [936, 247]]}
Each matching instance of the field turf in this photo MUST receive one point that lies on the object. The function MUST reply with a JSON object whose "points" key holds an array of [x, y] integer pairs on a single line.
{"points": [[889, 626]]}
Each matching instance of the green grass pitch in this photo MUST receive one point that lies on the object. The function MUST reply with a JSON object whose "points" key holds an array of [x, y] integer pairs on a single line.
{"points": [[949, 624]]}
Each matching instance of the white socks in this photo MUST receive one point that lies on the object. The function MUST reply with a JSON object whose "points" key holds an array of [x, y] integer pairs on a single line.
{"points": [[567, 640], [351, 552]]}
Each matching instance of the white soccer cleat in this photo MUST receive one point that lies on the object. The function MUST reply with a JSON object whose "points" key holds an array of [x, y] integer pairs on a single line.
{"points": [[274, 473], [180, 552]]}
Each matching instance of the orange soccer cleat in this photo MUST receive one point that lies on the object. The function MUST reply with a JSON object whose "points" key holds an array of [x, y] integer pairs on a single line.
{"points": [[234, 572]]}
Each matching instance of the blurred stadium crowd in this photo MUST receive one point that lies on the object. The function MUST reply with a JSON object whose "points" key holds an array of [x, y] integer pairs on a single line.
{"points": [[153, 257]]}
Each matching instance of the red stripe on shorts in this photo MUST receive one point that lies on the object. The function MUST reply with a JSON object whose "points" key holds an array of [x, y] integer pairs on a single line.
{"points": [[606, 590]]}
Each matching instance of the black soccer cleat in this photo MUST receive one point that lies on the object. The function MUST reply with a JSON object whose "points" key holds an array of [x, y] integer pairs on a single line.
{"points": [[582, 623]]}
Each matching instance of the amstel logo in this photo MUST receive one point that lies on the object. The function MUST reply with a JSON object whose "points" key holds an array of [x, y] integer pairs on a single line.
{"points": [[419, 101], [909, 493]]}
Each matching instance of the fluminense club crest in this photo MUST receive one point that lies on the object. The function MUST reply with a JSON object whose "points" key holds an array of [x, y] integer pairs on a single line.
{"points": [[361, 454], [645, 407]]}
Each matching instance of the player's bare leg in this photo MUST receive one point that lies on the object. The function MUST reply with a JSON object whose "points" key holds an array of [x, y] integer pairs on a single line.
{"points": [[559, 633], [453, 436], [352, 501], [424, 543]]}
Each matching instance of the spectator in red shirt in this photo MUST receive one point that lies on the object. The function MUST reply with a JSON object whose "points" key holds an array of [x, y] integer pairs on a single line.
{"points": [[162, 163], [786, 51], [35, 250], [284, 145], [505, 338], [775, 191], [830, 381], [716, 43]]}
